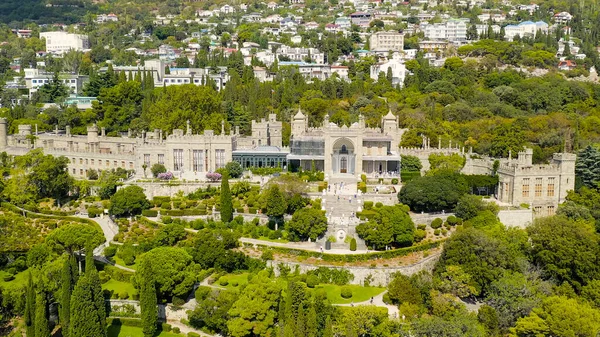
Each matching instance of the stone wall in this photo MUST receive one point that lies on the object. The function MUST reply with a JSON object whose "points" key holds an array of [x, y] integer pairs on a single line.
{"points": [[520, 218], [379, 276]]}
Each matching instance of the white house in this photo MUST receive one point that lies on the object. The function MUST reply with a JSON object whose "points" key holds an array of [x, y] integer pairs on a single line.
{"points": [[395, 65], [62, 42], [526, 28], [563, 18]]}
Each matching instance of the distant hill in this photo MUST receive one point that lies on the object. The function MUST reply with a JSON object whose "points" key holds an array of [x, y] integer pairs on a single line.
{"points": [[40, 11]]}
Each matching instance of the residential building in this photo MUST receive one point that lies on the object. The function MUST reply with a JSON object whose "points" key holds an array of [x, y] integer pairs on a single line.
{"points": [[562, 18], [454, 30], [386, 41], [360, 19], [523, 29], [62, 42], [395, 65]]}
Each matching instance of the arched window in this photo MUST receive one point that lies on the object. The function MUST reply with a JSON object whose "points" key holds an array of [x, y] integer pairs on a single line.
{"points": [[344, 149], [343, 165]]}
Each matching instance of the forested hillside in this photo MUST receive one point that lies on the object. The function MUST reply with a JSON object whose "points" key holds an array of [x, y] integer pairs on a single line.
{"points": [[61, 11]]}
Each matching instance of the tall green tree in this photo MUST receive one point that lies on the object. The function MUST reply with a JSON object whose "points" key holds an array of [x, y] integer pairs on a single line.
{"points": [[30, 307], [130, 200], [41, 315], [148, 300], [276, 203], [226, 203], [88, 314], [69, 277]]}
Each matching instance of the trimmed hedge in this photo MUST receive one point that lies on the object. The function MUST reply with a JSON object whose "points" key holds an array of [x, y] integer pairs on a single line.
{"points": [[124, 321], [355, 257], [150, 213], [33, 215]]}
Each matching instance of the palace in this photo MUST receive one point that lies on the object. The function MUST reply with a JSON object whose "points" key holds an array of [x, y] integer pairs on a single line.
{"points": [[338, 151]]}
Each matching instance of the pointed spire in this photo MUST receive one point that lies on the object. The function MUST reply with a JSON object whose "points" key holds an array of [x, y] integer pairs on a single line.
{"points": [[299, 115]]}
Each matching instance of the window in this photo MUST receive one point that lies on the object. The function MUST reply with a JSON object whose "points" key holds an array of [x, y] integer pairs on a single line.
{"points": [[80, 161], [178, 159], [537, 209], [107, 163], [92, 161], [525, 187], [80, 172], [220, 160], [147, 159], [538, 187], [550, 187], [115, 163], [161, 159], [122, 163], [131, 165], [551, 210], [198, 160]]}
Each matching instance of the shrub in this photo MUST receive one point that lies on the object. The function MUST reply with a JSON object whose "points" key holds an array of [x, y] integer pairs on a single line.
{"points": [[202, 293], [386, 299], [363, 178], [110, 251], [368, 205], [422, 227], [444, 232], [436, 232], [178, 301], [312, 281], [452, 220], [234, 283], [192, 334], [176, 330], [104, 277], [436, 223], [123, 295], [9, 277], [223, 281], [150, 213], [165, 205], [378, 205], [353, 244], [362, 186], [419, 235], [394, 181], [346, 292], [166, 327]]}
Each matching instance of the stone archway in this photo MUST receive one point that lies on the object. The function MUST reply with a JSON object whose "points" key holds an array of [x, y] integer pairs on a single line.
{"points": [[343, 156]]}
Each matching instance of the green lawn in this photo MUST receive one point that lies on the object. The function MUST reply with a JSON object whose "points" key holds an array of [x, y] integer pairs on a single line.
{"points": [[118, 287], [242, 279], [359, 293], [264, 238], [129, 331], [121, 263], [20, 279]]}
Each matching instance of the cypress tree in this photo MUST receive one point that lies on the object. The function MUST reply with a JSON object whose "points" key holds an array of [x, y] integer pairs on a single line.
{"points": [[41, 316], [301, 322], [65, 296], [311, 322], [148, 300], [138, 76], [122, 77], [88, 313], [130, 77], [328, 331], [30, 307], [226, 203]]}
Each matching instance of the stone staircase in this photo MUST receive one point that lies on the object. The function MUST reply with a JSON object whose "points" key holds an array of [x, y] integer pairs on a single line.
{"points": [[341, 202]]}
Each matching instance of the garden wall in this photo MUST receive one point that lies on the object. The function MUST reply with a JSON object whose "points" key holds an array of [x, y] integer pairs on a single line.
{"points": [[379, 276]]}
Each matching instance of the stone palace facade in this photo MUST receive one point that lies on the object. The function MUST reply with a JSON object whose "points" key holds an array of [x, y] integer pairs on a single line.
{"points": [[339, 151]]}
